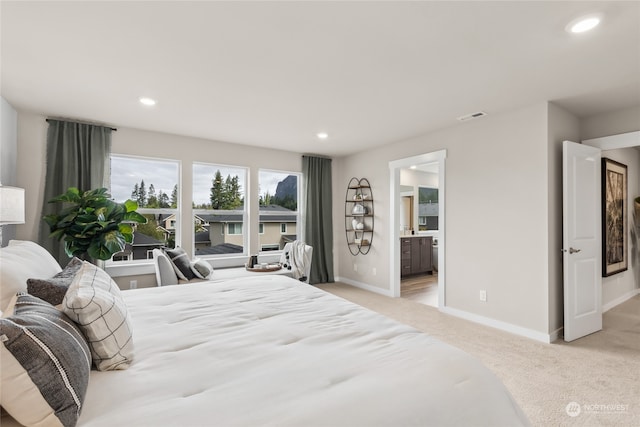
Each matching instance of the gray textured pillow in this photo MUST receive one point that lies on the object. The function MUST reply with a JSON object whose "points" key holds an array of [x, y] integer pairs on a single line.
{"points": [[181, 263], [201, 269], [52, 290], [44, 364]]}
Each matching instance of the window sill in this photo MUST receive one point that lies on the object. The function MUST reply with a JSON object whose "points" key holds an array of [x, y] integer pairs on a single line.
{"points": [[130, 268]]}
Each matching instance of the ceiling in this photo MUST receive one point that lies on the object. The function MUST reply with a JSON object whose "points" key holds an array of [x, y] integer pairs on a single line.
{"points": [[273, 74]]}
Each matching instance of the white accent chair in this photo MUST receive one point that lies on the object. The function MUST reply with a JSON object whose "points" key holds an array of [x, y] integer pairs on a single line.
{"points": [[165, 274]]}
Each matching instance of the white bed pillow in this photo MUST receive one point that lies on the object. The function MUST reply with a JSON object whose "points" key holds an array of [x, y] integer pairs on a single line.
{"points": [[20, 261], [44, 364], [202, 269], [94, 302]]}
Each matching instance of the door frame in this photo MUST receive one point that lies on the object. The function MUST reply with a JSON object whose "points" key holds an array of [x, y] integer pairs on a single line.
{"points": [[394, 223]]}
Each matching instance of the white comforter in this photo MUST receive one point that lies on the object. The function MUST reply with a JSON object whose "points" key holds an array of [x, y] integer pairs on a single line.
{"points": [[269, 350]]}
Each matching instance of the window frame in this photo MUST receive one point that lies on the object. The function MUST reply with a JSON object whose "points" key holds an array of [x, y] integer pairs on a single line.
{"points": [[151, 211], [226, 260], [298, 211]]}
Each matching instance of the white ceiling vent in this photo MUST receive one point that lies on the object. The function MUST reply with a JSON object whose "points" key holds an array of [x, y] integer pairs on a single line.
{"points": [[472, 116]]}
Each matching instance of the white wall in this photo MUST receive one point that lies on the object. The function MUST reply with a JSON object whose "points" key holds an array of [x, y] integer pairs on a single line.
{"points": [[31, 166], [8, 154], [612, 123], [621, 286], [496, 215]]}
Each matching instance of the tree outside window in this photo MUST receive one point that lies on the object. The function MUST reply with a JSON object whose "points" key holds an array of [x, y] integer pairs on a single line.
{"points": [[153, 184]]}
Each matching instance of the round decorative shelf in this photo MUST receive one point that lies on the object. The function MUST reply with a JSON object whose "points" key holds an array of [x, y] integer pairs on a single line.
{"points": [[358, 216]]}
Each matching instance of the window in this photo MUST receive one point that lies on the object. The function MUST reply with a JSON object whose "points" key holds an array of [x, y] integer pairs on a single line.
{"points": [[234, 228], [218, 204], [428, 208], [153, 184], [279, 214]]}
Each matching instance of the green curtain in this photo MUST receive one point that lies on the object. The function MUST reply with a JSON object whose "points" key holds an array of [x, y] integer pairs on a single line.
{"points": [[318, 217], [77, 156]]}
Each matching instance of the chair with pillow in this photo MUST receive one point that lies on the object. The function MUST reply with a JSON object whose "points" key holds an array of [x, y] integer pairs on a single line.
{"points": [[173, 267]]}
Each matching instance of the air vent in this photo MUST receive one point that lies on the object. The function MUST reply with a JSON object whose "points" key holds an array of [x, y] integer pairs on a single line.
{"points": [[472, 116]]}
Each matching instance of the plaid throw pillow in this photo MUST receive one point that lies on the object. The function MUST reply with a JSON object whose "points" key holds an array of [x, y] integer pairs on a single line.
{"points": [[94, 302]]}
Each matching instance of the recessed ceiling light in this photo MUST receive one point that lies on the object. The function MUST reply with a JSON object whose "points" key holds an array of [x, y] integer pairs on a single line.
{"points": [[413, 167], [147, 101], [583, 24], [322, 135]]}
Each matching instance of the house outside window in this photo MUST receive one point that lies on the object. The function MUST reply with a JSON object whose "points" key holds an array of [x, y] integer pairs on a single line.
{"points": [[261, 228], [219, 210], [428, 208], [153, 183], [278, 207]]}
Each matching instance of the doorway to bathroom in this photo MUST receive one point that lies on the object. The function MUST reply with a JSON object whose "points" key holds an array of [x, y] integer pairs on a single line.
{"points": [[417, 222]]}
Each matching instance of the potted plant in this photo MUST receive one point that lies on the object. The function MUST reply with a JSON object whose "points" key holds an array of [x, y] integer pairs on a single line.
{"points": [[93, 227]]}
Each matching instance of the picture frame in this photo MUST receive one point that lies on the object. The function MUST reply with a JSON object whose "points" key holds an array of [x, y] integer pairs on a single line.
{"points": [[614, 218]]}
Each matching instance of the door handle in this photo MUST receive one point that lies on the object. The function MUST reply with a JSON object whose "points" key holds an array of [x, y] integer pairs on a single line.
{"points": [[571, 251]]}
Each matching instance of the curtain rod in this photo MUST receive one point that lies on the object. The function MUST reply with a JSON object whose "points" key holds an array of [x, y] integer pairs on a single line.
{"points": [[84, 123]]}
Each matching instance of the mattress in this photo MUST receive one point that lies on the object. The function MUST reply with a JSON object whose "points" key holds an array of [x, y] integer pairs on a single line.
{"points": [[269, 350]]}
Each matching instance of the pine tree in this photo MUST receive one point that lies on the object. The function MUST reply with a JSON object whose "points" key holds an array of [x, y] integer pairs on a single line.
{"points": [[234, 193], [142, 195], [135, 193], [174, 197], [217, 192], [152, 199], [163, 200]]}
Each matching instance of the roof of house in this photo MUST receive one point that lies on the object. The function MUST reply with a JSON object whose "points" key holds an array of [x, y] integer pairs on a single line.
{"points": [[224, 248], [140, 239]]}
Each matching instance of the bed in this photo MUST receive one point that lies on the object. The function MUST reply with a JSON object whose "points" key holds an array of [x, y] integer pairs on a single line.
{"points": [[270, 350]]}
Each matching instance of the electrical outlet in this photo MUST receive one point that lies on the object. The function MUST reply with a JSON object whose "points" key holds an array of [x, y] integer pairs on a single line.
{"points": [[355, 267], [483, 295], [374, 271], [133, 284]]}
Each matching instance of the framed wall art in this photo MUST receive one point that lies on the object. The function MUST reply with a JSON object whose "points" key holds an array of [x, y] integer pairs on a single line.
{"points": [[614, 218]]}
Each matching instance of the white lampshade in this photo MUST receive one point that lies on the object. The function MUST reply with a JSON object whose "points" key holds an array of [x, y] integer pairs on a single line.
{"points": [[11, 205]]}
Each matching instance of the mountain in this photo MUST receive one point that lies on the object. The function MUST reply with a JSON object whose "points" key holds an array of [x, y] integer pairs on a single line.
{"points": [[287, 187]]}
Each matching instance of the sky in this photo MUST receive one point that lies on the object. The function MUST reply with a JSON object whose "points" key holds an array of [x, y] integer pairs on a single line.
{"points": [[163, 174]]}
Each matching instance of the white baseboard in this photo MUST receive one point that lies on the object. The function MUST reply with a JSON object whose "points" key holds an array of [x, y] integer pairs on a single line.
{"points": [[608, 306], [361, 285], [508, 327], [503, 326]]}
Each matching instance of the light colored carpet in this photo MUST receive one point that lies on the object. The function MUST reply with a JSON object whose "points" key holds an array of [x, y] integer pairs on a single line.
{"points": [[600, 372]]}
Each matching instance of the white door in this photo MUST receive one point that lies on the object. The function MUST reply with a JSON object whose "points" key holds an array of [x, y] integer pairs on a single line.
{"points": [[581, 240]]}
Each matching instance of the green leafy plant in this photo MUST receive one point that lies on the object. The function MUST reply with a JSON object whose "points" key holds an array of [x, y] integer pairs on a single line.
{"points": [[93, 226]]}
